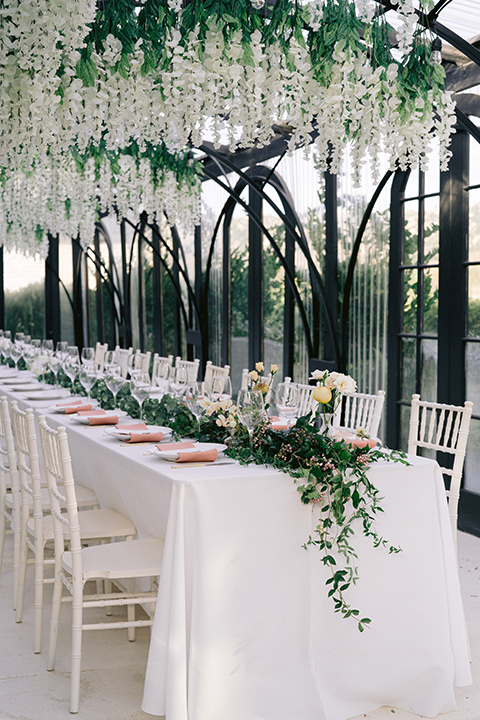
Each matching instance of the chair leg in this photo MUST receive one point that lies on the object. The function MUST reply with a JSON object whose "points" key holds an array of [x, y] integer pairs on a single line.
{"points": [[77, 619], [21, 578], [38, 599], [108, 590], [3, 532], [130, 585], [17, 547], [54, 621]]}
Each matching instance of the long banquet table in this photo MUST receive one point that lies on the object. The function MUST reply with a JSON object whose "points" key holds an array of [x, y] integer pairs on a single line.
{"points": [[243, 628]]}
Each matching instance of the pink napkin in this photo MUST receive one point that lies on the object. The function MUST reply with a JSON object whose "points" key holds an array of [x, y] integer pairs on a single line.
{"points": [[145, 437], [82, 413], [176, 445], [274, 421], [84, 408], [200, 456], [134, 427], [68, 404], [103, 420]]}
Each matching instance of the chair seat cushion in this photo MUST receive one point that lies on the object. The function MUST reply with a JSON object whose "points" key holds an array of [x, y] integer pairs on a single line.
{"points": [[127, 559], [94, 525]]}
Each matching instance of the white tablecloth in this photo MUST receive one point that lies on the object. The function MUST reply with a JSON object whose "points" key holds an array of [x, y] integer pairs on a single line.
{"points": [[243, 629]]}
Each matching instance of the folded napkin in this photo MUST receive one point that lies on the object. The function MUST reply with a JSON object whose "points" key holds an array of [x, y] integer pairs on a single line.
{"points": [[134, 427], [200, 456], [68, 404], [362, 442], [145, 437], [277, 423], [183, 445], [91, 413], [103, 420], [71, 410]]}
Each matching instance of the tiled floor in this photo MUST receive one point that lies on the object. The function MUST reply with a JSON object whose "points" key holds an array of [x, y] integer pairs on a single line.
{"points": [[113, 669]]}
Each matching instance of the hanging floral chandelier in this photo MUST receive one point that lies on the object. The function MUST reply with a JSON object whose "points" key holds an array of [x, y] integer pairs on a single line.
{"points": [[100, 106]]}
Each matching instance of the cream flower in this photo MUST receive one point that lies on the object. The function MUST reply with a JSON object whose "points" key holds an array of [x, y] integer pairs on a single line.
{"points": [[259, 367]]}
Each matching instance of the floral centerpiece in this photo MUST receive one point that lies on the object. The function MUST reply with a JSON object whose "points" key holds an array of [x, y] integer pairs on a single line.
{"points": [[331, 388]]}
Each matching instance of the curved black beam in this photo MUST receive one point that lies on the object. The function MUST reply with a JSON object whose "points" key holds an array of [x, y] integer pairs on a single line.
{"points": [[293, 230], [352, 264], [467, 124], [288, 274], [110, 286]]}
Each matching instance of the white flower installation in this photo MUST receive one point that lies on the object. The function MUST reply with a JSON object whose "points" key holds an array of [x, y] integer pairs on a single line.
{"points": [[100, 106]]}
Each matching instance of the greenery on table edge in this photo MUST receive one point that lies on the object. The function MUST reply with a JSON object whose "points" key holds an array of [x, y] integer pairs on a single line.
{"points": [[331, 475]]}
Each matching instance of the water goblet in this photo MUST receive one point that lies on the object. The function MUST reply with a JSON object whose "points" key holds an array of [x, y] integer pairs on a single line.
{"points": [[114, 381], [54, 363], [88, 356], [71, 367], [16, 353], [221, 388], [140, 388], [251, 410], [287, 400], [178, 381], [47, 345], [110, 360], [36, 343], [7, 334], [196, 397], [88, 378], [162, 377]]}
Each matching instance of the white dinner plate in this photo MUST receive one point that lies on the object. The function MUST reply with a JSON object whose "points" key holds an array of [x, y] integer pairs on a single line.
{"points": [[27, 387], [47, 394], [126, 434], [19, 379], [85, 419], [172, 455], [61, 410]]}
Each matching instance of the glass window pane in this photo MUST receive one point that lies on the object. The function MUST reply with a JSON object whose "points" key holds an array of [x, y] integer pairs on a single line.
{"points": [[410, 255], [474, 162], [412, 186], [67, 327], [474, 301], [410, 284], [24, 279], [472, 458], [404, 423], [474, 225], [428, 382], [472, 370], [431, 225], [432, 174], [408, 368], [430, 301]]}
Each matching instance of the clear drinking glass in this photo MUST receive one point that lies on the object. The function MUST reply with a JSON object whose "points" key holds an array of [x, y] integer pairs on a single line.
{"points": [[114, 381], [178, 381], [195, 397], [54, 363], [287, 399], [88, 355], [162, 377], [47, 345], [71, 367], [140, 388], [110, 360], [220, 388], [88, 378], [251, 410], [16, 352]]}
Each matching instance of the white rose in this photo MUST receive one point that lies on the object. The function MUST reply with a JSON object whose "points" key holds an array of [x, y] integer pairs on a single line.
{"points": [[345, 384]]}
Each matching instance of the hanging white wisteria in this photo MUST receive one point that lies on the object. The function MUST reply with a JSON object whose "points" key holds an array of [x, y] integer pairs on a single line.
{"points": [[101, 106]]}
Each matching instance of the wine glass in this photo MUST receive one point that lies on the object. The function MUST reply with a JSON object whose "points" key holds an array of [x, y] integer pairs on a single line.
{"points": [[251, 410], [88, 378], [287, 400], [36, 343], [140, 388], [110, 360], [221, 387], [88, 355], [195, 397], [16, 353], [163, 374], [54, 363], [47, 345], [61, 349], [114, 381], [71, 367], [178, 381], [7, 334]]}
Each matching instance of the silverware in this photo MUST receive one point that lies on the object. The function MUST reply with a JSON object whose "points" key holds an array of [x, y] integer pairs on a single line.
{"points": [[184, 465]]}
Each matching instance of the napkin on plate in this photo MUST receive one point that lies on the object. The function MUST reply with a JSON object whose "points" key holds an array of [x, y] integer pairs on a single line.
{"points": [[183, 445], [362, 442], [92, 413], [200, 456], [70, 403], [136, 426], [83, 408], [145, 437], [102, 419], [276, 423]]}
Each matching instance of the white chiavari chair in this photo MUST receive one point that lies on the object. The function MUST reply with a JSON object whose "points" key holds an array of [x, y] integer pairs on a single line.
{"points": [[444, 429], [191, 366], [9, 494], [100, 351], [306, 403], [361, 410], [118, 562], [211, 370], [157, 361], [122, 355]]}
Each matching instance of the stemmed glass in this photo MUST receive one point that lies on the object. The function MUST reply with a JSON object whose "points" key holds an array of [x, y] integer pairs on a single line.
{"points": [[110, 360], [162, 376], [114, 381], [195, 397], [47, 345], [16, 352], [88, 378], [88, 356], [251, 410], [287, 400], [140, 388], [54, 363], [178, 381], [221, 388], [71, 366]]}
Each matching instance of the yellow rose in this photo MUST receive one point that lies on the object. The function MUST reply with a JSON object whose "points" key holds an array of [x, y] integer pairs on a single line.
{"points": [[259, 367], [273, 369], [322, 394], [254, 375]]}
